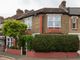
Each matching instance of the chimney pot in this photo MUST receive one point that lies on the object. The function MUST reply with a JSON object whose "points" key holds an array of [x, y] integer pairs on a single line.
{"points": [[63, 4]]}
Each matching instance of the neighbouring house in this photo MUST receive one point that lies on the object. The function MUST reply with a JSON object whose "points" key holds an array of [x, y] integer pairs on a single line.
{"points": [[62, 20], [2, 38], [1, 21], [19, 13], [10, 41]]}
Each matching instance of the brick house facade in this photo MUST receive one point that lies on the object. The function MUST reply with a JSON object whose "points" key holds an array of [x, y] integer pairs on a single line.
{"points": [[60, 20]]}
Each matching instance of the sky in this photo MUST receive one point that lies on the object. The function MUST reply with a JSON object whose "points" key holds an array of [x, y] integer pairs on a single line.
{"points": [[8, 7]]}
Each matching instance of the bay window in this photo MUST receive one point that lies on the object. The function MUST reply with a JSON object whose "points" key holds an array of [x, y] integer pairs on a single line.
{"points": [[54, 20]]}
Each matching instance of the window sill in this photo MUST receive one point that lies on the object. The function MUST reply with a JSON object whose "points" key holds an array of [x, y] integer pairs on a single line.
{"points": [[54, 27], [74, 29], [29, 29]]}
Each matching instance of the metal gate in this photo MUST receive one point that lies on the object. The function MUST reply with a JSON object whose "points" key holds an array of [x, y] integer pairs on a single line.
{"points": [[1, 45]]}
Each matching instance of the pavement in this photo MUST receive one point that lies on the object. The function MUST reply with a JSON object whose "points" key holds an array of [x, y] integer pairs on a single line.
{"points": [[5, 58], [30, 58], [2, 58]]}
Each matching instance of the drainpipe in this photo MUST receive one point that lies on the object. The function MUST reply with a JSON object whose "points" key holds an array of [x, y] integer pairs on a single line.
{"points": [[79, 41]]}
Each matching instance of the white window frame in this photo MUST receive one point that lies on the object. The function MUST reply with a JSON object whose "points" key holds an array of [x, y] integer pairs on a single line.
{"points": [[74, 22], [9, 41], [53, 20], [28, 22]]}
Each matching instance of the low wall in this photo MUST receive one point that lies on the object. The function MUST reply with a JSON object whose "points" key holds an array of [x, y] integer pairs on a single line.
{"points": [[14, 51], [51, 54]]}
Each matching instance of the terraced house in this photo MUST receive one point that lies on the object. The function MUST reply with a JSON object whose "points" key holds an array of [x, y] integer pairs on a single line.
{"points": [[64, 20]]}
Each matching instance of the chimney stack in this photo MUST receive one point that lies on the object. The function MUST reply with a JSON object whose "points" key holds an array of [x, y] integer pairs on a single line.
{"points": [[63, 4], [19, 12], [26, 11]]}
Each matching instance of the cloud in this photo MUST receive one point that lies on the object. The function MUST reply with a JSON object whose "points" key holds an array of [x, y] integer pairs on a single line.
{"points": [[37, 4], [73, 3], [9, 7]]}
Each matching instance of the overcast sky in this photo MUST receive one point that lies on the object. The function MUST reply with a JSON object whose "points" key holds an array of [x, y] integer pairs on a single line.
{"points": [[9, 7]]}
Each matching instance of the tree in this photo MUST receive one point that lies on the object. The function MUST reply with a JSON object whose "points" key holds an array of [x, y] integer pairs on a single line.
{"points": [[13, 28]]}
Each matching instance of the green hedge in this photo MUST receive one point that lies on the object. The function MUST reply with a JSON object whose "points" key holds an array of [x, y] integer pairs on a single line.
{"points": [[57, 43]]}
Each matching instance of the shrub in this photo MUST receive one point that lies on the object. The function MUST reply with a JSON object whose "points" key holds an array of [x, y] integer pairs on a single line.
{"points": [[25, 39], [29, 40], [57, 43]]}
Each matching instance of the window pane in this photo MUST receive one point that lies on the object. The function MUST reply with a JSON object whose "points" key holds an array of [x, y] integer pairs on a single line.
{"points": [[54, 20], [28, 22], [57, 18], [50, 23], [74, 19], [50, 17], [73, 25], [53, 24], [57, 21], [57, 24]]}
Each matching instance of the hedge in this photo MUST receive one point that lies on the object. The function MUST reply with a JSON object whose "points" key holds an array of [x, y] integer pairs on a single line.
{"points": [[55, 43]]}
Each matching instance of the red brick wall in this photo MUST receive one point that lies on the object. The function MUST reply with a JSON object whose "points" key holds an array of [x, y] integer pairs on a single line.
{"points": [[13, 51], [40, 18], [54, 30], [52, 54]]}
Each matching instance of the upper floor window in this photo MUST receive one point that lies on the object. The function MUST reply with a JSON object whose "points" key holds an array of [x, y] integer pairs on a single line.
{"points": [[54, 20], [74, 22], [28, 22]]}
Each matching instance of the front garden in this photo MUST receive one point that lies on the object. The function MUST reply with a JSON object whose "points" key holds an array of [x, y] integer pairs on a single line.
{"points": [[42, 45], [53, 46]]}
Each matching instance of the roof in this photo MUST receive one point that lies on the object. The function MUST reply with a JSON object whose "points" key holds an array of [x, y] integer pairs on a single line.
{"points": [[16, 16], [44, 11], [50, 10], [69, 11], [30, 13], [74, 11]]}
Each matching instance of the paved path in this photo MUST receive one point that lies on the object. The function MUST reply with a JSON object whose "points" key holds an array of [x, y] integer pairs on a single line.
{"points": [[29, 58], [5, 58]]}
